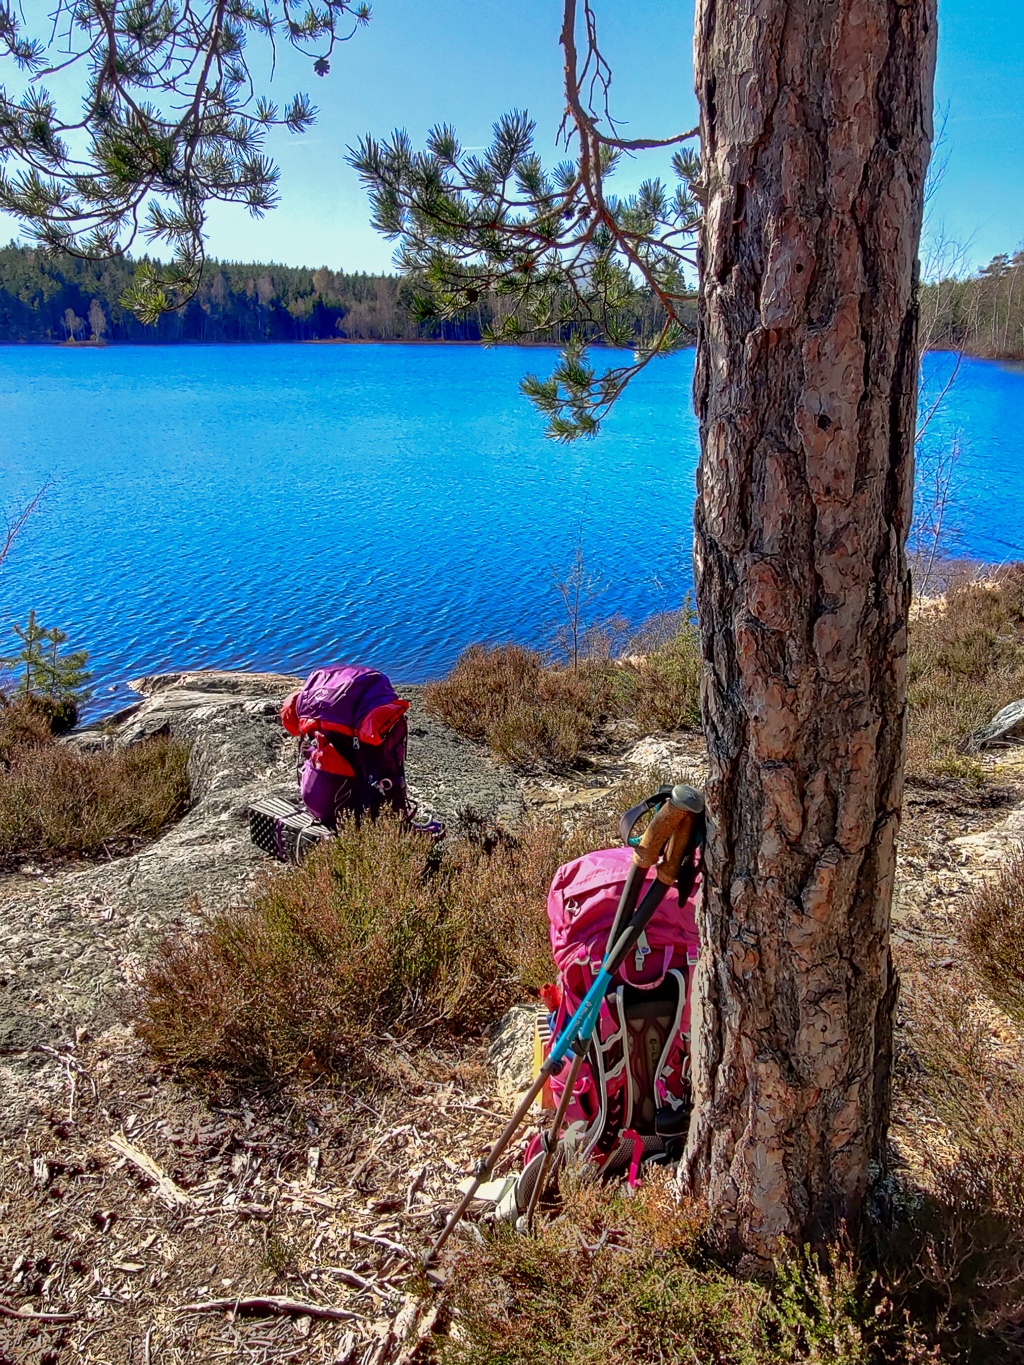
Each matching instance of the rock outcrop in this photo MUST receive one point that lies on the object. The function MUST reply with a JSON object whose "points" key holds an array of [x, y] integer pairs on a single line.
{"points": [[73, 936], [1005, 728]]}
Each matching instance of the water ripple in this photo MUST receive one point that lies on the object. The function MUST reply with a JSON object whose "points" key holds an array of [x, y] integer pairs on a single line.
{"points": [[282, 506]]}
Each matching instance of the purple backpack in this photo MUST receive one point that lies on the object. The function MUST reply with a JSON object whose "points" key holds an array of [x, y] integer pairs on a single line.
{"points": [[352, 735], [632, 1095]]}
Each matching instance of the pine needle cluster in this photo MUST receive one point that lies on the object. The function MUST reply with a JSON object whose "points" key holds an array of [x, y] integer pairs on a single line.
{"points": [[170, 121], [553, 243]]}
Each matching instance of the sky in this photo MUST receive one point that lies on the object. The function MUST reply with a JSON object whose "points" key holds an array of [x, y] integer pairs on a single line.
{"points": [[466, 61]]}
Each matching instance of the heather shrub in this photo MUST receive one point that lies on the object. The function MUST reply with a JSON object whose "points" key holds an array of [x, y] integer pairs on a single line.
{"points": [[524, 709], [966, 662], [377, 929], [56, 802], [23, 723], [529, 710], [615, 1277]]}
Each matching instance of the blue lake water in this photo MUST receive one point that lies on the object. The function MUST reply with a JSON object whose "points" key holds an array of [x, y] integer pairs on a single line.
{"points": [[281, 506]]}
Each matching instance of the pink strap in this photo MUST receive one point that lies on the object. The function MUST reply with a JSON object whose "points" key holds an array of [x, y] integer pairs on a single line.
{"points": [[650, 985], [636, 1158]]}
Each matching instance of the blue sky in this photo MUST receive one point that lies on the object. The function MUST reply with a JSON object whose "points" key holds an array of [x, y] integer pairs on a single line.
{"points": [[466, 61]]}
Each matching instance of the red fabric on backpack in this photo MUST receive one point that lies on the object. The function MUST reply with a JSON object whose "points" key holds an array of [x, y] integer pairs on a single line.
{"points": [[375, 725], [325, 758], [289, 716]]}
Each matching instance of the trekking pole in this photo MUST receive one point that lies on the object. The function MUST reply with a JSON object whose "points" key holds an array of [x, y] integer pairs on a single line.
{"points": [[549, 1140], [485, 1165], [681, 808], [667, 837]]}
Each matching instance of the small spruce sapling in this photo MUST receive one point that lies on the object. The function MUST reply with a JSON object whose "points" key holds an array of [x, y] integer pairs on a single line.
{"points": [[57, 680], [66, 674], [30, 657]]}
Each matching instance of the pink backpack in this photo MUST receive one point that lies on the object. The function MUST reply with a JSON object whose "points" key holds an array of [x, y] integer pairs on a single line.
{"points": [[632, 1096]]}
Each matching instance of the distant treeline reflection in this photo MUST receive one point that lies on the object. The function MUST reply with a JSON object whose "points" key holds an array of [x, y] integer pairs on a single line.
{"points": [[45, 298]]}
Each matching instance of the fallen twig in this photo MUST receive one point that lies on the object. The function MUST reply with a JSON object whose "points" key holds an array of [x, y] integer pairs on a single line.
{"points": [[30, 1315], [272, 1303], [349, 1277], [396, 1248], [165, 1186], [347, 1350]]}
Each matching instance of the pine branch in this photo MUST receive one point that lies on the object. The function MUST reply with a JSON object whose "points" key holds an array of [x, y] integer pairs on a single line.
{"points": [[173, 120], [566, 255]]}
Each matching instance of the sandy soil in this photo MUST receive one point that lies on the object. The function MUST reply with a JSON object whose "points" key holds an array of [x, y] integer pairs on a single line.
{"points": [[125, 1200]]}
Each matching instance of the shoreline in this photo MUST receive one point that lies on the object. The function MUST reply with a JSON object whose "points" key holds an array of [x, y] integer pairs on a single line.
{"points": [[998, 358], [309, 341]]}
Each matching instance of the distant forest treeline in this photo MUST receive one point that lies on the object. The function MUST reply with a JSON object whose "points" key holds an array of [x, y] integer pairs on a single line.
{"points": [[63, 299], [982, 314]]}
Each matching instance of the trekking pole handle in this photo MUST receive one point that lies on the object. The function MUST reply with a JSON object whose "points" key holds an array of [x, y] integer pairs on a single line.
{"points": [[682, 805], [667, 870]]}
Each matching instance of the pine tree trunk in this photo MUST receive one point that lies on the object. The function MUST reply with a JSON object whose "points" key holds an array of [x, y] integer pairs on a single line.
{"points": [[816, 125]]}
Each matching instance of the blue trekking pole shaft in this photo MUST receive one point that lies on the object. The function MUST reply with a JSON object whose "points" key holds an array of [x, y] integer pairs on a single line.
{"points": [[667, 837], [669, 831]]}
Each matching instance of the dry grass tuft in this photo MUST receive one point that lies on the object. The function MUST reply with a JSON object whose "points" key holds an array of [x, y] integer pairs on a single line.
{"points": [[531, 711], [58, 803], [615, 1277], [966, 663], [379, 929], [957, 1243], [23, 722], [994, 935], [659, 688]]}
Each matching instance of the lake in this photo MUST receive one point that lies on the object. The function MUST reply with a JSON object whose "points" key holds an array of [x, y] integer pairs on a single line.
{"points": [[276, 507]]}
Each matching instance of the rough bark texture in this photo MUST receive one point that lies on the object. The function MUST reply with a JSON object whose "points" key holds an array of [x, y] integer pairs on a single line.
{"points": [[816, 126]]}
